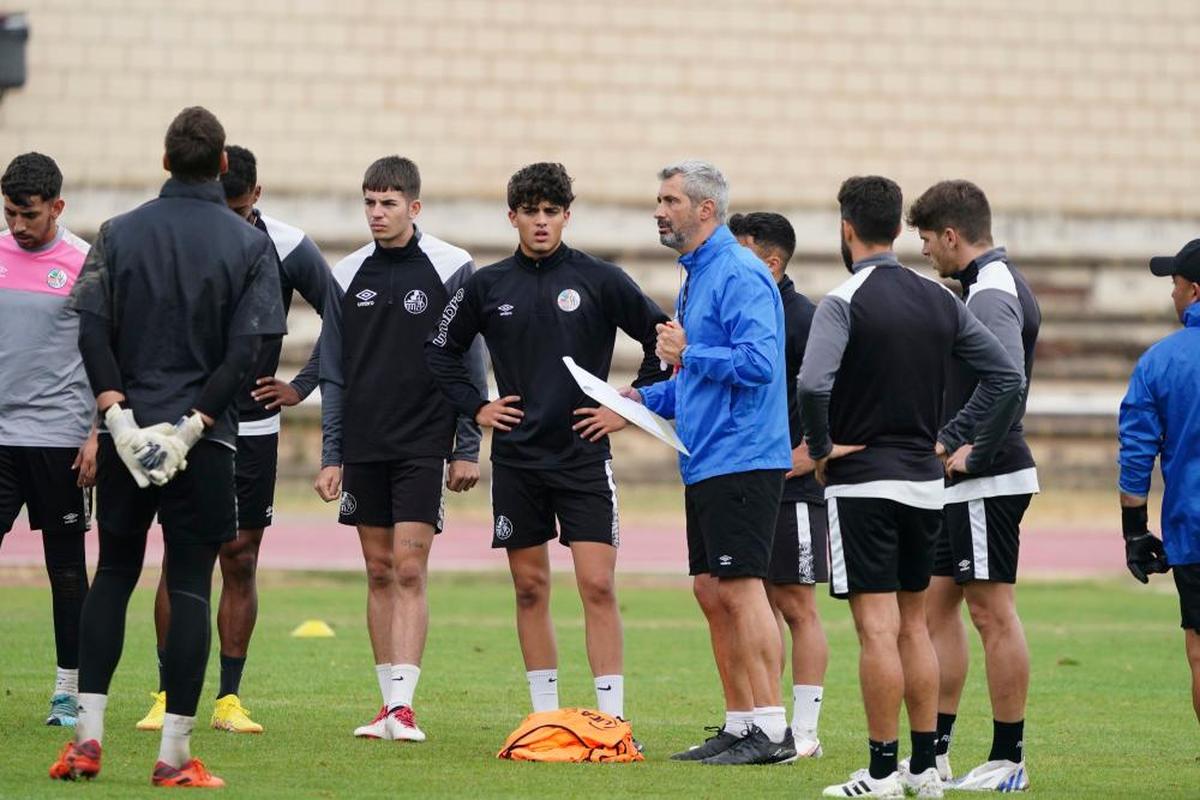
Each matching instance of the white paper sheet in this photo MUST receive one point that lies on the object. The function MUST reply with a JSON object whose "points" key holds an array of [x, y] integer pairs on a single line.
{"points": [[636, 413]]}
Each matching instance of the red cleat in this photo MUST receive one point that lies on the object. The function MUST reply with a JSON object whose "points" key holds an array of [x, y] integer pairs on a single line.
{"points": [[77, 761], [192, 775]]}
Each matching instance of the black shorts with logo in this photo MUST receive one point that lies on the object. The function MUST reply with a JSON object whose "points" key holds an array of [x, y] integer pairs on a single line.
{"points": [[731, 523], [196, 506], [800, 553], [527, 502], [255, 468], [981, 539], [383, 493], [1187, 581], [41, 479], [880, 545]]}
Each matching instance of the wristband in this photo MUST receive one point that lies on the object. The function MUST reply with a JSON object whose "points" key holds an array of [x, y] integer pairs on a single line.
{"points": [[1134, 521]]}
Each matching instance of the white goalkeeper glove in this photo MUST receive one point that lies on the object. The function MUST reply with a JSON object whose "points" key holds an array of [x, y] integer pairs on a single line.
{"points": [[140, 453], [176, 440]]}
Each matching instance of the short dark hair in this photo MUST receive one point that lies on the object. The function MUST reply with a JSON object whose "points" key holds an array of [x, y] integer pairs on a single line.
{"points": [[768, 229], [393, 173], [31, 175], [242, 175], [873, 205], [543, 181], [954, 204]]}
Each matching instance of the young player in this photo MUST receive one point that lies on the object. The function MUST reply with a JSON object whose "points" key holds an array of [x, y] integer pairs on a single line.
{"points": [[301, 269], [174, 299], [47, 454], [546, 301], [387, 429]]}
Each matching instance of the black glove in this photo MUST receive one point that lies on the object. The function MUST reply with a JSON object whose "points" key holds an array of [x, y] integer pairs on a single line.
{"points": [[1143, 550]]}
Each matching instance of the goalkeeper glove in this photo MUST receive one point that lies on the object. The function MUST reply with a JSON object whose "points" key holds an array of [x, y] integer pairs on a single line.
{"points": [[138, 452], [175, 441], [1143, 550]]}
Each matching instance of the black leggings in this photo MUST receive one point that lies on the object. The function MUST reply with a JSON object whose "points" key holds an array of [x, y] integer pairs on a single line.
{"points": [[67, 570], [189, 585]]}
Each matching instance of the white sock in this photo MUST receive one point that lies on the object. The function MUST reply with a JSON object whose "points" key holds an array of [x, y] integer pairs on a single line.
{"points": [[90, 722], [772, 720], [383, 674], [176, 748], [610, 695], [738, 722], [806, 710], [66, 681], [404, 685], [543, 689]]}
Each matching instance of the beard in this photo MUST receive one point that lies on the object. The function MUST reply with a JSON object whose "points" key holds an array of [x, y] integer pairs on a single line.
{"points": [[672, 239], [847, 259]]}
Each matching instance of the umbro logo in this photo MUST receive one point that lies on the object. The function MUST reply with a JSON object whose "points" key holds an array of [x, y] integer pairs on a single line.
{"points": [[366, 297], [725, 561], [70, 518], [964, 565], [506, 310]]}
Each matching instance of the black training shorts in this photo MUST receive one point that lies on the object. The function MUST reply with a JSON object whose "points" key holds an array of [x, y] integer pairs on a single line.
{"points": [[527, 502], [256, 465], [983, 539], [731, 523], [383, 493], [800, 554], [41, 479], [880, 545], [1187, 581]]}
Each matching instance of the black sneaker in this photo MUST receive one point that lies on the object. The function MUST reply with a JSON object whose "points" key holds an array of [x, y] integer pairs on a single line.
{"points": [[756, 748], [719, 742]]}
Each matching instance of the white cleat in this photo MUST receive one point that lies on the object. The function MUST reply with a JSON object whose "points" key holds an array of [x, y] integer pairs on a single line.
{"points": [[376, 728], [942, 763], [861, 784], [926, 784], [402, 725], [808, 747], [994, 776]]}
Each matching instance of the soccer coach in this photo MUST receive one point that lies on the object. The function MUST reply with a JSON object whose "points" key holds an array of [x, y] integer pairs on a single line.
{"points": [[1160, 418], [729, 401]]}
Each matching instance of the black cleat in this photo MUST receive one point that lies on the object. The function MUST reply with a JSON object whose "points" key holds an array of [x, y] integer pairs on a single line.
{"points": [[756, 748], [719, 742]]}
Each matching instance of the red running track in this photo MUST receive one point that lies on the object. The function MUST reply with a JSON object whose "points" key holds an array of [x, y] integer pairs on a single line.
{"points": [[309, 543]]}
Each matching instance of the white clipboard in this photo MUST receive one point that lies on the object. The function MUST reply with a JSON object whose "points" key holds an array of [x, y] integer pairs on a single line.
{"points": [[636, 413]]}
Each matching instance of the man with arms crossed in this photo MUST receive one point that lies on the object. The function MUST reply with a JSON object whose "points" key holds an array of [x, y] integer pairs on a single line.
{"points": [[47, 442], [174, 300], [800, 554], [301, 269], [387, 430], [976, 554], [544, 302], [874, 374], [729, 402], [1159, 419]]}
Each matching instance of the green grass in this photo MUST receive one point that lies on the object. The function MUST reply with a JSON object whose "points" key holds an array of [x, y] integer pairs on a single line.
{"points": [[1109, 715]]}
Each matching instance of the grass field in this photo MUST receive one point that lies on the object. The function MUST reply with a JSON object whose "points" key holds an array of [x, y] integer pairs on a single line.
{"points": [[1109, 716]]}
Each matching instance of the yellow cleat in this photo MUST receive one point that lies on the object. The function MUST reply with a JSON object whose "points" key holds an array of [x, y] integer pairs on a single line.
{"points": [[153, 720], [230, 715]]}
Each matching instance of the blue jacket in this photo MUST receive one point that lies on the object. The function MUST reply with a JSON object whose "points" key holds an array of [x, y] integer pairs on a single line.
{"points": [[729, 400], [1160, 416]]}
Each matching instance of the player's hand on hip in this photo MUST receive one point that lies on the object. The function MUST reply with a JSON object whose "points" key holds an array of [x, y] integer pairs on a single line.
{"points": [[630, 393], [85, 461], [461, 476], [274, 393], [596, 423], [500, 414], [957, 462], [801, 463], [670, 344], [329, 483], [819, 466]]}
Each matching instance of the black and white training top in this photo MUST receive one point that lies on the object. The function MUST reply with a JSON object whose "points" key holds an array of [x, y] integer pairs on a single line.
{"points": [[874, 374], [302, 268], [379, 401], [798, 313], [1000, 298], [531, 313]]}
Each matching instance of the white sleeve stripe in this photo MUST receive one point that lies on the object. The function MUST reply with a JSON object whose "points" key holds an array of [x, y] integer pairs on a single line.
{"points": [[994, 275], [345, 270], [286, 238], [846, 290], [446, 258]]}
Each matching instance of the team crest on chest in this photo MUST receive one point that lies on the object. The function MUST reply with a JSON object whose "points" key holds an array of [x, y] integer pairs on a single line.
{"points": [[415, 302], [568, 300], [56, 278]]}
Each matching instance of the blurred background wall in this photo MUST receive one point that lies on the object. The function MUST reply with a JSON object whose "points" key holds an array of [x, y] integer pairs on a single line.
{"points": [[1079, 119]]}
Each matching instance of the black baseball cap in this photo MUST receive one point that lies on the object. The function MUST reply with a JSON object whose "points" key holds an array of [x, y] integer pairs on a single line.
{"points": [[1185, 263]]}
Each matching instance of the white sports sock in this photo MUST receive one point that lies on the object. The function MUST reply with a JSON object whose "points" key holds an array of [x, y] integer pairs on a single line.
{"points": [[383, 674], [90, 722], [404, 685], [66, 681], [738, 722], [806, 710], [610, 694], [543, 689], [772, 720], [176, 748]]}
